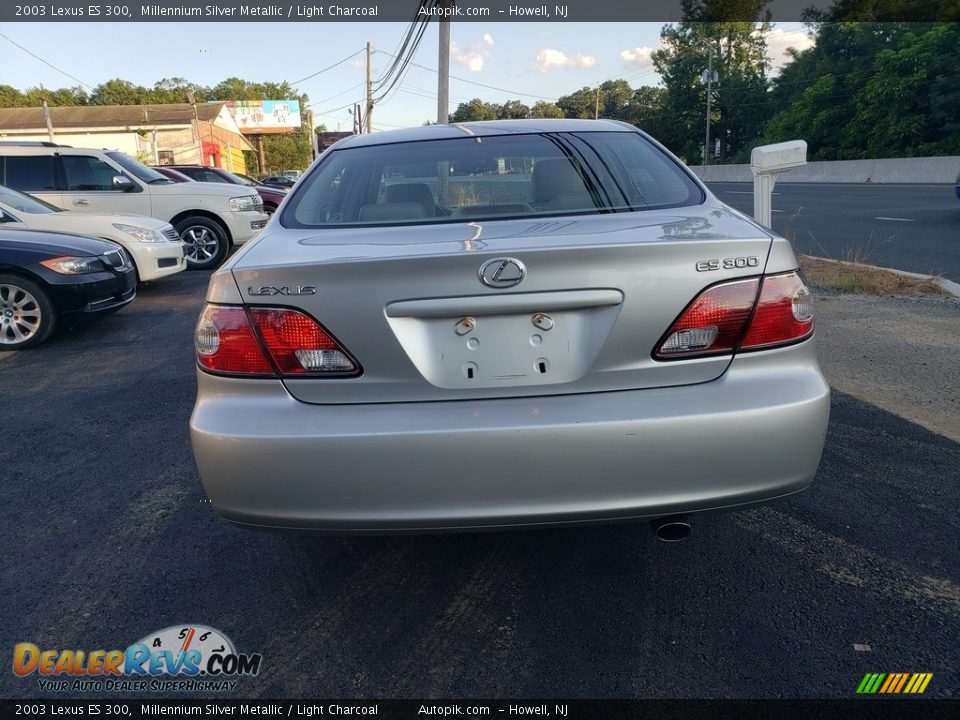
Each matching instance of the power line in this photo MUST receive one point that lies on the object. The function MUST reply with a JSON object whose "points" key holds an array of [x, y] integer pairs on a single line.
{"points": [[327, 99], [408, 50], [329, 67], [479, 84], [62, 72]]}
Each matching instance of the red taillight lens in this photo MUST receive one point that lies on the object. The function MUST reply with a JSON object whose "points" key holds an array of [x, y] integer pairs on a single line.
{"points": [[299, 345], [259, 342], [784, 313], [713, 323], [723, 319], [225, 343]]}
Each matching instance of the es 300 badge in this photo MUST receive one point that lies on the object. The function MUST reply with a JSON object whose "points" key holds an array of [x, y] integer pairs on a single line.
{"points": [[180, 657]]}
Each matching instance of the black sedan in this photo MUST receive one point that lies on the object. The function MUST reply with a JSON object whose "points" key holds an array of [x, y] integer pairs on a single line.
{"points": [[49, 279], [279, 181]]}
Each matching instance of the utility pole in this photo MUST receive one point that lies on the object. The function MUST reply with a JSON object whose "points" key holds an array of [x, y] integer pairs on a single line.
{"points": [[46, 117], [369, 114], [709, 78], [596, 105], [443, 67]]}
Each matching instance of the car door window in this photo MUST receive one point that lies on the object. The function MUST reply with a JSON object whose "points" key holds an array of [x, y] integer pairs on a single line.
{"points": [[88, 173], [211, 176], [29, 173]]}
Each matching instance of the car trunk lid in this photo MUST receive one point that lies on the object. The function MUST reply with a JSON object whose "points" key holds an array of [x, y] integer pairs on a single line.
{"points": [[411, 305]]}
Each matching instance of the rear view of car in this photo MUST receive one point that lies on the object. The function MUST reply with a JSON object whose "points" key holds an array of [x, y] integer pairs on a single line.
{"points": [[504, 324]]}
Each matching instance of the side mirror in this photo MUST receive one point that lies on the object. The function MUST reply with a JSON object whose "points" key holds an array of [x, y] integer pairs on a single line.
{"points": [[122, 182]]}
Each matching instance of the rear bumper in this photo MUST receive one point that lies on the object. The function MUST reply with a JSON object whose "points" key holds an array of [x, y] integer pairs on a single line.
{"points": [[270, 461]]}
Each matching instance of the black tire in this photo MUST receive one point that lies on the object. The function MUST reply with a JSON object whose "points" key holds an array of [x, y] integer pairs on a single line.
{"points": [[27, 317], [269, 209], [206, 241]]}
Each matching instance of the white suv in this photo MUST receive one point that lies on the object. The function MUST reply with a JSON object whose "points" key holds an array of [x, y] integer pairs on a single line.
{"points": [[209, 217]]}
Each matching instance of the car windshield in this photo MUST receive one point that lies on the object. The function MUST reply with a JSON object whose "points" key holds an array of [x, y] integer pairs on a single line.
{"points": [[491, 177], [139, 170], [24, 203], [236, 179]]}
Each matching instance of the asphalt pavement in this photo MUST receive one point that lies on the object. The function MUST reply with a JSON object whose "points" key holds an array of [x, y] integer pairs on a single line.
{"points": [[906, 227], [107, 537]]}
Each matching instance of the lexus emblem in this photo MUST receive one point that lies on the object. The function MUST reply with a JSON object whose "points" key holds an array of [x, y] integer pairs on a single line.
{"points": [[502, 273]]}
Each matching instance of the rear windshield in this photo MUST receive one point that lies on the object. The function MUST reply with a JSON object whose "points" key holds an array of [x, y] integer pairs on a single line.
{"points": [[503, 176]]}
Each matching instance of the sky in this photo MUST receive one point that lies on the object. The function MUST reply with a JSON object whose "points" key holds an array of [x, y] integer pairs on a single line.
{"points": [[524, 60]]}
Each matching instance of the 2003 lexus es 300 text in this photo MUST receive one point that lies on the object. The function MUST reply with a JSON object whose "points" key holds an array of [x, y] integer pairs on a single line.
{"points": [[504, 324]]}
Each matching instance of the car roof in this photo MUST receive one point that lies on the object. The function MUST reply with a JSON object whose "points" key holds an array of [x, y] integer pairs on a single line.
{"points": [[484, 128]]}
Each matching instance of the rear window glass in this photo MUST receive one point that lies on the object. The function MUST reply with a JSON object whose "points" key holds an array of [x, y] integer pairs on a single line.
{"points": [[504, 176], [29, 173]]}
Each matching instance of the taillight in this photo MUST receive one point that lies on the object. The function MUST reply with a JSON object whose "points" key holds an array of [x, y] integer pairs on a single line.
{"points": [[713, 323], [734, 316], [225, 343], [784, 313], [262, 342]]}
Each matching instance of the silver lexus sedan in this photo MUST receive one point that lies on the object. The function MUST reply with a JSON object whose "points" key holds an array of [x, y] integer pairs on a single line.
{"points": [[504, 324]]}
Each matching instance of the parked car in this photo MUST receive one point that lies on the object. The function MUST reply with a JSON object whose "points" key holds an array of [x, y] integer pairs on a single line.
{"points": [[172, 174], [271, 196], [51, 279], [209, 217], [278, 181], [153, 245], [583, 334]]}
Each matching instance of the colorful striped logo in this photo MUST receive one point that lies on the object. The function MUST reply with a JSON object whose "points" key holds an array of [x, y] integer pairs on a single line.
{"points": [[894, 683]]}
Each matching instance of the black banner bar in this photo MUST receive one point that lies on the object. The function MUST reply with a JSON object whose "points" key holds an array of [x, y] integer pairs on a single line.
{"points": [[382, 10], [872, 709]]}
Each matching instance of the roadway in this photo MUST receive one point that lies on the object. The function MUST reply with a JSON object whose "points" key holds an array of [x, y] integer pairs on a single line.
{"points": [[906, 227]]}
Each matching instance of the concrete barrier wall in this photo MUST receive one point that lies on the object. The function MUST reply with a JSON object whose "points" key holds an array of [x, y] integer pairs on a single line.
{"points": [[934, 170]]}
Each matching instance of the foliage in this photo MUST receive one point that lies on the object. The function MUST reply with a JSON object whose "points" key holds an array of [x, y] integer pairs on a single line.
{"points": [[870, 90], [738, 96]]}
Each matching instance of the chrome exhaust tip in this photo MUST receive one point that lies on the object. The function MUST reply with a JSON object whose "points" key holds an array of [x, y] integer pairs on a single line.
{"points": [[672, 529]]}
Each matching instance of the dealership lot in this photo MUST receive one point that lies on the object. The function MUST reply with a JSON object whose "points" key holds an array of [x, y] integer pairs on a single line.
{"points": [[109, 538]]}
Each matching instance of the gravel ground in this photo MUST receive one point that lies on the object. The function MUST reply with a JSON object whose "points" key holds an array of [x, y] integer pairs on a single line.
{"points": [[900, 354]]}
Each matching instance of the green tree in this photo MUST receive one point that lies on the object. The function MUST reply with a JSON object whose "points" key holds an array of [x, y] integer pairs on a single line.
{"points": [[474, 110], [544, 109], [513, 110], [176, 90], [739, 107], [119, 92], [579, 104], [870, 90], [646, 109]]}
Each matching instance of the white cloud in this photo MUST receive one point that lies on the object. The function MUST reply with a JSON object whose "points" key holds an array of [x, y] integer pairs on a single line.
{"points": [[547, 59], [778, 41], [473, 57], [638, 58]]}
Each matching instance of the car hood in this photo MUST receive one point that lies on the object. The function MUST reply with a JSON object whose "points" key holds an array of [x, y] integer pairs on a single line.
{"points": [[203, 188], [55, 243], [88, 223]]}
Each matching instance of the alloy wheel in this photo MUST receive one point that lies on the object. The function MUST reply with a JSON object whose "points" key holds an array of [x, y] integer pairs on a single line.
{"points": [[201, 243], [20, 315]]}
